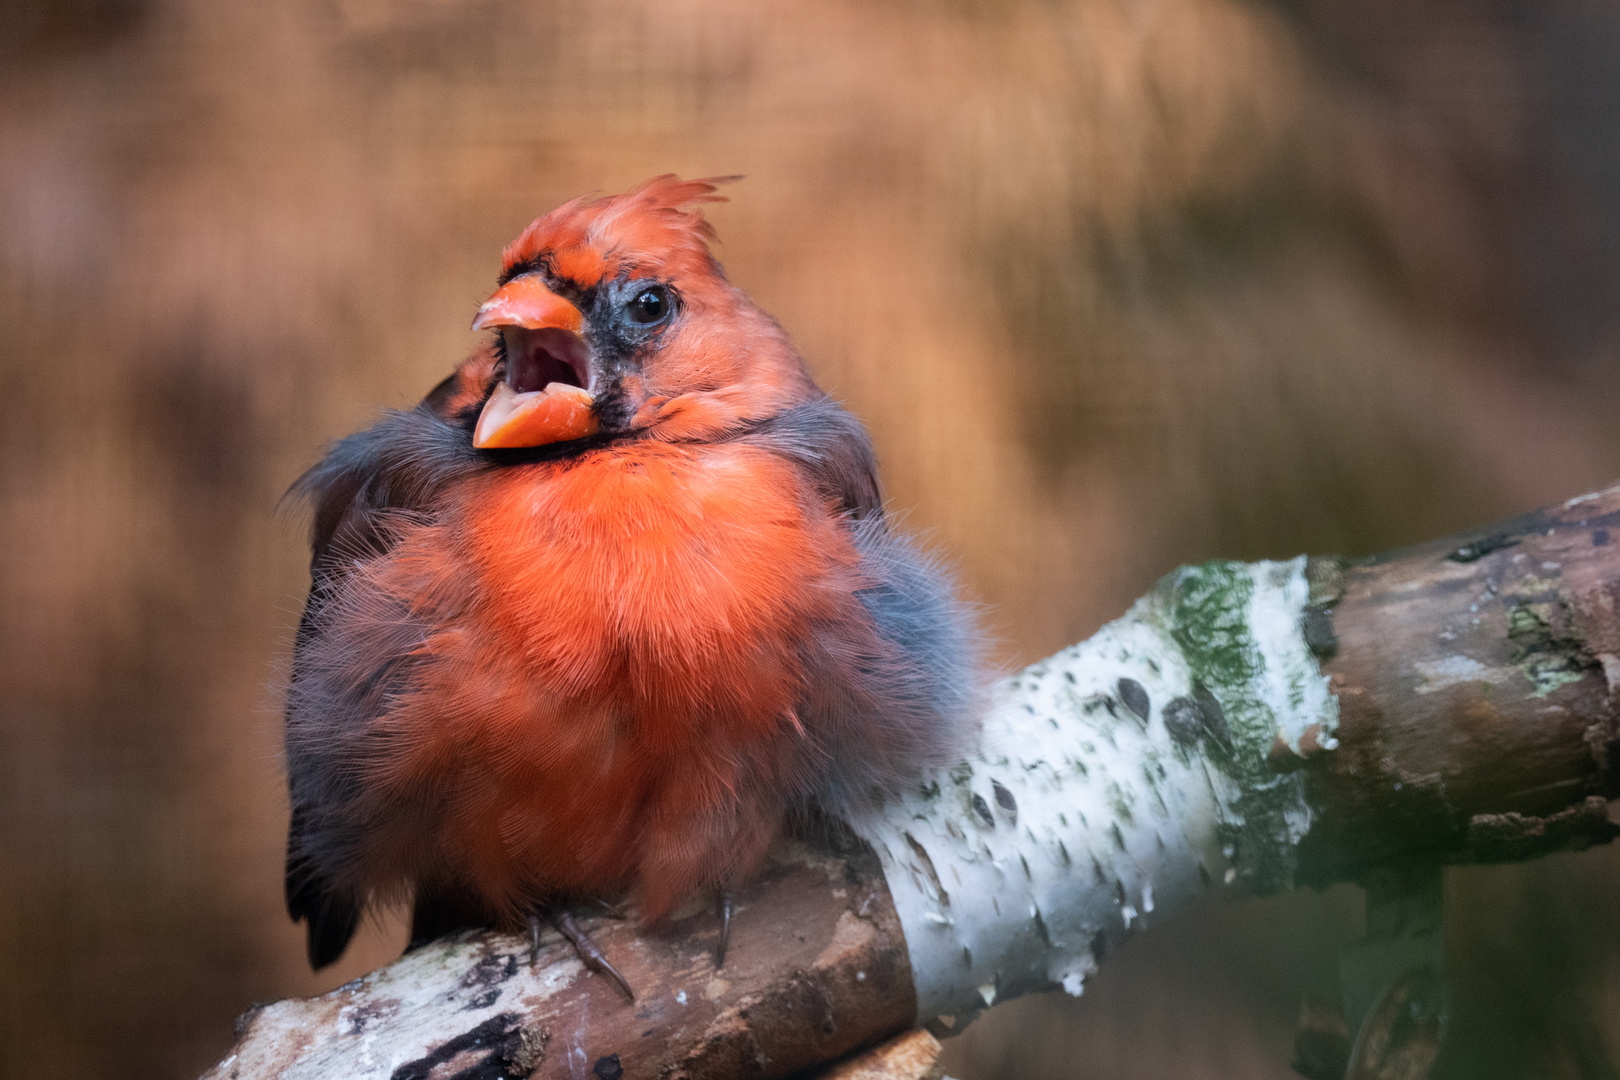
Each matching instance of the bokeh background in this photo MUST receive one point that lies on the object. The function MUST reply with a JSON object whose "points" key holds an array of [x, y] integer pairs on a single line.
{"points": [[1117, 284]]}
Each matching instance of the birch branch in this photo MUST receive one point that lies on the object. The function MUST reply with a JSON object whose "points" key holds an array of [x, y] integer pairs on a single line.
{"points": [[1253, 726]]}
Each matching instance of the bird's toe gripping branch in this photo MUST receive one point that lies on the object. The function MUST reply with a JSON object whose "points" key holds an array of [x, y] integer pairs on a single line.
{"points": [[589, 953]]}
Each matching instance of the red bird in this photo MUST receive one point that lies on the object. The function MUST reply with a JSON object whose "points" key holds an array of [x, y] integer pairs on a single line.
{"points": [[609, 609]]}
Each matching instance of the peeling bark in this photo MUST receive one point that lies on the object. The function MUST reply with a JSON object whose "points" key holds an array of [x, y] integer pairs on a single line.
{"points": [[912, 1056], [1476, 686], [1256, 726]]}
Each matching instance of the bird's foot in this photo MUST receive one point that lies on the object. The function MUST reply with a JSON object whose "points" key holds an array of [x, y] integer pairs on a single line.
{"points": [[589, 953], [534, 939], [726, 906]]}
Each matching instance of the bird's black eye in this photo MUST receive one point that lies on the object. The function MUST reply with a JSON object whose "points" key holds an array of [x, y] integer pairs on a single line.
{"points": [[649, 305]]}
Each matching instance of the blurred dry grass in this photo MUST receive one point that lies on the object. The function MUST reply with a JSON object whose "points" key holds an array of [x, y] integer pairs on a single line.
{"points": [[1116, 283]]}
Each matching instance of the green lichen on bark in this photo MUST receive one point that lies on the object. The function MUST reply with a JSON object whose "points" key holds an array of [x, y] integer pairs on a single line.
{"points": [[1208, 610], [1208, 621], [1546, 646]]}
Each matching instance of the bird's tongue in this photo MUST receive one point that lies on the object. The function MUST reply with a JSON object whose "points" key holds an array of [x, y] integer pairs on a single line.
{"points": [[542, 399]]}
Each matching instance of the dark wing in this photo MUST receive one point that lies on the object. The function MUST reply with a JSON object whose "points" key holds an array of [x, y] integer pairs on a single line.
{"points": [[400, 463], [830, 445], [887, 702], [397, 466]]}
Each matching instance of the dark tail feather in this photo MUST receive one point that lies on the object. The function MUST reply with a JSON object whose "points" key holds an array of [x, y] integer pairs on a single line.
{"points": [[332, 915], [331, 927]]}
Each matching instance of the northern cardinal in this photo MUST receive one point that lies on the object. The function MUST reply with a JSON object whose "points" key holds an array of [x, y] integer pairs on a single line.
{"points": [[607, 610]]}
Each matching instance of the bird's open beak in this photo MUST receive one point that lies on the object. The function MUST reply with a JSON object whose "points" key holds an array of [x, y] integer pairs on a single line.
{"points": [[546, 395]]}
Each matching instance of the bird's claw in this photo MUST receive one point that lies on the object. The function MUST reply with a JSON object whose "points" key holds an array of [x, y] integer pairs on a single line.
{"points": [[534, 940], [726, 906], [589, 953], [611, 910]]}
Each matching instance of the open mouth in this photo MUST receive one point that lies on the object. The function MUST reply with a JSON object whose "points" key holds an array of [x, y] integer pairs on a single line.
{"points": [[546, 394], [537, 358]]}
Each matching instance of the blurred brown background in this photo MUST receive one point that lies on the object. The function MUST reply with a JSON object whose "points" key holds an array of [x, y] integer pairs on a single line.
{"points": [[1117, 284]]}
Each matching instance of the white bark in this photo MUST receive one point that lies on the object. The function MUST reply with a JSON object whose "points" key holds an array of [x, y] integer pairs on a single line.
{"points": [[1079, 821], [371, 1026]]}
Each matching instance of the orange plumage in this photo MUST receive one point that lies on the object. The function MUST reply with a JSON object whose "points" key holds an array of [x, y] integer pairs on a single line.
{"points": [[612, 653]]}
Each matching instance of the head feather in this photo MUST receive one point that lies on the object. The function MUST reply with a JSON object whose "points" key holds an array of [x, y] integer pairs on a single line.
{"points": [[656, 227]]}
